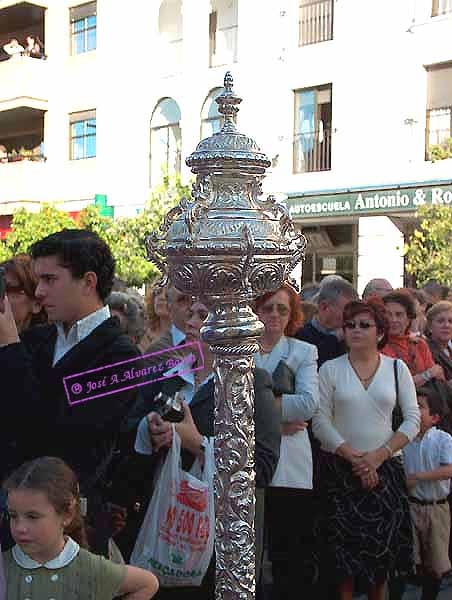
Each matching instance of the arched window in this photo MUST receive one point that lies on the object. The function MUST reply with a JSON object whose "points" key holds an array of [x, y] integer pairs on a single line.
{"points": [[211, 119], [165, 142]]}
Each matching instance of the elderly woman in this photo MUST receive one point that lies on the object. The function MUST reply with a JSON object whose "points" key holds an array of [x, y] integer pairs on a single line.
{"points": [[130, 313], [439, 332], [365, 524], [21, 284], [413, 350], [293, 367]]}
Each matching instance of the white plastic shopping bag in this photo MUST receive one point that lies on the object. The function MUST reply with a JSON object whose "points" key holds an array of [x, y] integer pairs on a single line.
{"points": [[176, 539]]}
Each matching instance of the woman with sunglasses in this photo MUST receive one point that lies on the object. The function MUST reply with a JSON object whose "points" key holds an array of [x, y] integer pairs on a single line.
{"points": [[293, 367], [365, 524], [412, 350]]}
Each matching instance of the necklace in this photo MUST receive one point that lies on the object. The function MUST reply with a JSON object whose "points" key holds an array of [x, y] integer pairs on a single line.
{"points": [[366, 380]]}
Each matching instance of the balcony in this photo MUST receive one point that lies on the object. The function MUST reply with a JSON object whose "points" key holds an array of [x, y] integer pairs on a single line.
{"points": [[312, 151], [315, 22], [23, 183], [24, 83]]}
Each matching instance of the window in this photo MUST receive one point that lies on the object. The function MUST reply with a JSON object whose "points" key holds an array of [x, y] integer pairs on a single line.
{"points": [[315, 21], [83, 28], [223, 26], [312, 134], [83, 135], [165, 142], [211, 119], [439, 106], [441, 7]]}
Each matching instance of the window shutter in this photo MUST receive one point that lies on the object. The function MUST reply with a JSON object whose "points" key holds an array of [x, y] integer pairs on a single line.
{"points": [[439, 86], [83, 11]]}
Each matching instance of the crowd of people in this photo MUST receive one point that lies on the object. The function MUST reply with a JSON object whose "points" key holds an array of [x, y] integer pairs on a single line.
{"points": [[353, 444]]}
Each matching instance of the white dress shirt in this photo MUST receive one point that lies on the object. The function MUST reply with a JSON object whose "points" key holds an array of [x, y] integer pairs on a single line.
{"points": [[363, 418], [78, 332], [426, 453], [294, 469]]}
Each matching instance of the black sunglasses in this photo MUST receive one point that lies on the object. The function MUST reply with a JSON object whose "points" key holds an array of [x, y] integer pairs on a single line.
{"points": [[360, 324]]}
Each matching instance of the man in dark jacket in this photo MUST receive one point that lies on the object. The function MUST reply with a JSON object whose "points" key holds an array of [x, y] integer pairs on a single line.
{"points": [[321, 331], [75, 270]]}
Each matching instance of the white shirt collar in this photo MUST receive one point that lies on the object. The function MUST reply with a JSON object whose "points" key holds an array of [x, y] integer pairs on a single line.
{"points": [[78, 332], [177, 335], [82, 328], [66, 556]]}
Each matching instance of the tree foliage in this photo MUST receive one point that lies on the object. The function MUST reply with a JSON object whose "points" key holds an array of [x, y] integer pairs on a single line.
{"points": [[429, 250], [124, 235]]}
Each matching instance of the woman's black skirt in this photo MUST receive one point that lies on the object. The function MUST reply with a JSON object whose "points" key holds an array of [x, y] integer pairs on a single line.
{"points": [[365, 534]]}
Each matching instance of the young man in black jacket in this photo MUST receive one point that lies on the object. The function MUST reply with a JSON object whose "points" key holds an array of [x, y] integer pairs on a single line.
{"points": [[75, 269]]}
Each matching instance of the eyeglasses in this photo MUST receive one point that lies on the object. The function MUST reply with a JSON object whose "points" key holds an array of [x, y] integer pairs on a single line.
{"points": [[281, 309], [360, 324]]}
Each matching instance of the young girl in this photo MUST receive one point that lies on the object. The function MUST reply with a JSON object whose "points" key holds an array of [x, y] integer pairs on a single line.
{"points": [[49, 559]]}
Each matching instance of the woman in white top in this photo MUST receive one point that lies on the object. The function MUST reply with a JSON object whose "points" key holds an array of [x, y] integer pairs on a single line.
{"points": [[289, 501], [365, 524]]}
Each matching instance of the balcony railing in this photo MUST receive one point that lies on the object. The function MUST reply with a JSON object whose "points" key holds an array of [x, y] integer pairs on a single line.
{"points": [[316, 22], [312, 151], [438, 129], [441, 7]]}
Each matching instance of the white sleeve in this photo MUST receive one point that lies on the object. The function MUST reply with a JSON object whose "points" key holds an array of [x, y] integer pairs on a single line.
{"points": [[143, 444], [322, 426], [445, 457], [408, 402], [303, 404]]}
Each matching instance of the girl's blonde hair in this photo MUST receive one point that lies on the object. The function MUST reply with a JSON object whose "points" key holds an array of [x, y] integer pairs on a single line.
{"points": [[58, 482]]}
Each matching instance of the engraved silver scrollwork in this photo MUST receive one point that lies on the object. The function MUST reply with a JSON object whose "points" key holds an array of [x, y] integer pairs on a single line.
{"points": [[228, 244]]}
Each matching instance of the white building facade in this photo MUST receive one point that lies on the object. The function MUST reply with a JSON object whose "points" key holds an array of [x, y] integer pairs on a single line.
{"points": [[345, 96]]}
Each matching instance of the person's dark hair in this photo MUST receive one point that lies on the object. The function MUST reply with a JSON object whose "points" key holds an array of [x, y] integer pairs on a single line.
{"points": [[434, 288], [331, 289], [420, 296], [435, 392], [80, 251], [405, 299], [376, 309], [54, 478], [296, 314]]}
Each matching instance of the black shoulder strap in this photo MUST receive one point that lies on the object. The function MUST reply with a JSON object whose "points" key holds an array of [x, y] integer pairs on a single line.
{"points": [[396, 378]]}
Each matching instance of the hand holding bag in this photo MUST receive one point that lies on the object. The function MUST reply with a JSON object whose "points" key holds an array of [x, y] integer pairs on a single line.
{"points": [[176, 539]]}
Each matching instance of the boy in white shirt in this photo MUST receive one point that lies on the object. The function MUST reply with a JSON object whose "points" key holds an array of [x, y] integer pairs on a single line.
{"points": [[428, 465]]}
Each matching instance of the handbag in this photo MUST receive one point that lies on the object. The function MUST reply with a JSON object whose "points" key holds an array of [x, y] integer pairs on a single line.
{"points": [[176, 539], [283, 379], [397, 415]]}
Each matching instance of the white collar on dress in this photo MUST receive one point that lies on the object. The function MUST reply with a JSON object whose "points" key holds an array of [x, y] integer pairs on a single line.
{"points": [[67, 555]]}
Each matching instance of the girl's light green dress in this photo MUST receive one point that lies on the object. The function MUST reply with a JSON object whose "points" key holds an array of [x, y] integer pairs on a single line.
{"points": [[75, 574]]}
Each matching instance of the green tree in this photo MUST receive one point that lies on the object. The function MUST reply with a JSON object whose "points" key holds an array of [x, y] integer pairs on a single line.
{"points": [[124, 235], [29, 227], [127, 234], [429, 250]]}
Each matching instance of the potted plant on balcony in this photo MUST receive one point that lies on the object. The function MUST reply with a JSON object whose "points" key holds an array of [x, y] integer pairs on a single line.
{"points": [[441, 151]]}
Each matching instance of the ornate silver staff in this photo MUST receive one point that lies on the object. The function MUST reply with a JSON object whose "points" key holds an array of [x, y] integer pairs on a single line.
{"points": [[227, 244]]}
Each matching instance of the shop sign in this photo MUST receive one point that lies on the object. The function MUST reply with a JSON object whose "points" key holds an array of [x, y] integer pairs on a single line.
{"points": [[369, 202]]}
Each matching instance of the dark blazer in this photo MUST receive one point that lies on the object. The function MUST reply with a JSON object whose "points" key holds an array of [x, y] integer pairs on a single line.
{"points": [[37, 418], [328, 346], [440, 358]]}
